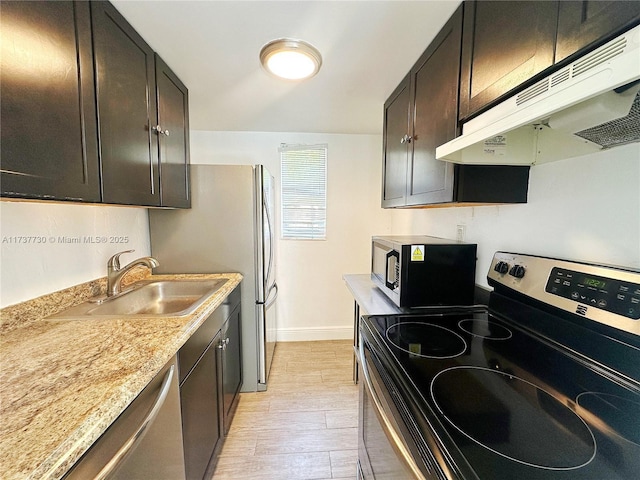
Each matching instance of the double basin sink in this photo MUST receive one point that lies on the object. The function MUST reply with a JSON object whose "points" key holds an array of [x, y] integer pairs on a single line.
{"points": [[150, 298]]}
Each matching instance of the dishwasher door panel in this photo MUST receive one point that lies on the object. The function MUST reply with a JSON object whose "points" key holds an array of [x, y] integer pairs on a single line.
{"points": [[156, 452]]}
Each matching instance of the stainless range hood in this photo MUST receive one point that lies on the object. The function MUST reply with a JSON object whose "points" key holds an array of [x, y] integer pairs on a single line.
{"points": [[587, 106]]}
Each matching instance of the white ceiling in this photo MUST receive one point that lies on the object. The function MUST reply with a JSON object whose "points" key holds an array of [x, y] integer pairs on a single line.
{"points": [[213, 46]]}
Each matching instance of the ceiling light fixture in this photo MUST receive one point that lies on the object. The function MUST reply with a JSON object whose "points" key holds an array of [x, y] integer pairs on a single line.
{"points": [[290, 59]]}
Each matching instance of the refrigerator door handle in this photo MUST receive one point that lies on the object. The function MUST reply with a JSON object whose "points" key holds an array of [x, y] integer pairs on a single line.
{"points": [[271, 300], [265, 204]]}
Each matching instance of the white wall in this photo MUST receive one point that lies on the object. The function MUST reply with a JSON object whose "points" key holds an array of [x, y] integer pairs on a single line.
{"points": [[585, 208], [314, 302], [47, 246]]}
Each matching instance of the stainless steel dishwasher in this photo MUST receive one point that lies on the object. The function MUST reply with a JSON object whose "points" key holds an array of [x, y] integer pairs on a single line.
{"points": [[145, 441]]}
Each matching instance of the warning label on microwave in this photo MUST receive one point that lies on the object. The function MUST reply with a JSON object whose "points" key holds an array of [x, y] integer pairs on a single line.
{"points": [[417, 253]]}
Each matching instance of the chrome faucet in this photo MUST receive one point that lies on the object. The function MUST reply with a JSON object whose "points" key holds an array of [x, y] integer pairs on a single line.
{"points": [[115, 272]]}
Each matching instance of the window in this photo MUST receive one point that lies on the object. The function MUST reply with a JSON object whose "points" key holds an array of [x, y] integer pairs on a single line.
{"points": [[304, 191]]}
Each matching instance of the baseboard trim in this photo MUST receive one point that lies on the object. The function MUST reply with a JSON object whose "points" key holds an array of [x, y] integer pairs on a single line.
{"points": [[306, 334]]}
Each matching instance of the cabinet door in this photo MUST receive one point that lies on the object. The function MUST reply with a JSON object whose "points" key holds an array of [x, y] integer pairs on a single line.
{"points": [[200, 412], [231, 366], [586, 23], [173, 137], [435, 116], [505, 43], [49, 137], [125, 82], [397, 118]]}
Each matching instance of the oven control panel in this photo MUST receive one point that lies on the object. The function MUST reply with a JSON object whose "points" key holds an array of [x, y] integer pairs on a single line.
{"points": [[605, 294]]}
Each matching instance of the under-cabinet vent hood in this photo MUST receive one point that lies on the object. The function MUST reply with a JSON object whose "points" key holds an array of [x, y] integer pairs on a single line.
{"points": [[589, 105]]}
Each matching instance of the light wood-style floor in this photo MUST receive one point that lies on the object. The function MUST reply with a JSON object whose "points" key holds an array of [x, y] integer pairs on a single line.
{"points": [[304, 426]]}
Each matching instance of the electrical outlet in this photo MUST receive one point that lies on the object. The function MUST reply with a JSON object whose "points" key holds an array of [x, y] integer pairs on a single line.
{"points": [[460, 231]]}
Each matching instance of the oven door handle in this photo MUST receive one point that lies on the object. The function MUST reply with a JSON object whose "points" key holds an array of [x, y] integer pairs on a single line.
{"points": [[389, 430]]}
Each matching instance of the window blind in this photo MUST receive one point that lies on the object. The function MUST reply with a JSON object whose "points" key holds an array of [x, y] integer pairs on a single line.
{"points": [[303, 191]]}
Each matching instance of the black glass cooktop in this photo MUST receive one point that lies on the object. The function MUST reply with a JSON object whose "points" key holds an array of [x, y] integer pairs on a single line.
{"points": [[510, 404]]}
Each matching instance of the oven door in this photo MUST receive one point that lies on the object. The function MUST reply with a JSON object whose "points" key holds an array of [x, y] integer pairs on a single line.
{"points": [[386, 449]]}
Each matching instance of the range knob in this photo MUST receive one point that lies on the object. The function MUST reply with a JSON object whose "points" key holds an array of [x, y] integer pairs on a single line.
{"points": [[517, 271], [501, 267]]}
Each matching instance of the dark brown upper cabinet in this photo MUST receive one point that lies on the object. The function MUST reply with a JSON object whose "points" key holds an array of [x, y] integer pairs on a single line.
{"points": [[504, 44], [82, 119], [509, 45], [586, 24], [421, 114], [127, 110], [396, 143], [435, 80], [172, 130], [49, 134]]}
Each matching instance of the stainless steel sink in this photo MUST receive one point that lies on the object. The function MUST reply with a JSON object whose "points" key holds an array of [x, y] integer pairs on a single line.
{"points": [[150, 299]]}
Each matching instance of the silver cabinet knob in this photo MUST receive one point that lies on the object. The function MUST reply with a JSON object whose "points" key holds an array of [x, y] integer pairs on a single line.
{"points": [[405, 139], [159, 131]]}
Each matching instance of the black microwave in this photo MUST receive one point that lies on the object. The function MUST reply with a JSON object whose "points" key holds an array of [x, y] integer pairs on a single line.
{"points": [[423, 271]]}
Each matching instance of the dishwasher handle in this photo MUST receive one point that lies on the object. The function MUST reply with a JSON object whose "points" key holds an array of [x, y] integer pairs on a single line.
{"points": [[135, 438], [391, 433]]}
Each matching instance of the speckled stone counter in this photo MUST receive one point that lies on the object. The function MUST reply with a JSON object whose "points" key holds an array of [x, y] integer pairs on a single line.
{"points": [[65, 381]]}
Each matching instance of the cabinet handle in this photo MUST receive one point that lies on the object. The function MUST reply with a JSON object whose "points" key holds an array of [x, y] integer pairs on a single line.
{"points": [[223, 344], [405, 139], [159, 131]]}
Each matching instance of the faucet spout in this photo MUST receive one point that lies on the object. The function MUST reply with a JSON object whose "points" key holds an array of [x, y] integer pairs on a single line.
{"points": [[115, 273]]}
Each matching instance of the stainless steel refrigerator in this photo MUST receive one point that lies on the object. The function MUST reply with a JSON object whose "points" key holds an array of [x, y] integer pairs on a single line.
{"points": [[229, 228]]}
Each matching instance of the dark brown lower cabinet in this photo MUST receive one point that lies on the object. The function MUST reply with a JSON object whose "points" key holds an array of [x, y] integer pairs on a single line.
{"points": [[231, 367], [200, 403], [210, 380]]}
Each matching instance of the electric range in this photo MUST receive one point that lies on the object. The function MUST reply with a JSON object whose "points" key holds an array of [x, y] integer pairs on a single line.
{"points": [[543, 383]]}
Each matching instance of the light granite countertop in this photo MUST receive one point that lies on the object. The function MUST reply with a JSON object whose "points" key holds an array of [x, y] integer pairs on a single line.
{"points": [[63, 382]]}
